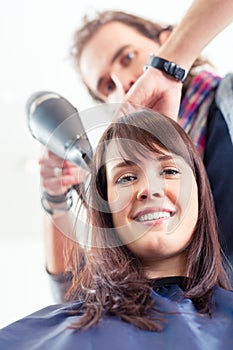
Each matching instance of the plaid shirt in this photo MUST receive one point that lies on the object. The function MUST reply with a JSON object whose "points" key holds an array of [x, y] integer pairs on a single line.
{"points": [[195, 106]]}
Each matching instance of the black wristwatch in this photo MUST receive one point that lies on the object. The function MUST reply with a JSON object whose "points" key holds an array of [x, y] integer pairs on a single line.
{"points": [[168, 67]]}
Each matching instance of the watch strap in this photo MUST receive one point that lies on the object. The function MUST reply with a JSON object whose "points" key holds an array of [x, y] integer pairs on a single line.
{"points": [[166, 66]]}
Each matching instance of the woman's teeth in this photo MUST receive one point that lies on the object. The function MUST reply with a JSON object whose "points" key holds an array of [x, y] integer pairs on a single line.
{"points": [[154, 216]]}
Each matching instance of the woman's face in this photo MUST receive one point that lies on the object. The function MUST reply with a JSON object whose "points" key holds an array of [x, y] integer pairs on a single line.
{"points": [[113, 60], [154, 206]]}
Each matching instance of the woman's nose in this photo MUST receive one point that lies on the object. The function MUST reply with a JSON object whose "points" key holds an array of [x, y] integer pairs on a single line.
{"points": [[151, 190]]}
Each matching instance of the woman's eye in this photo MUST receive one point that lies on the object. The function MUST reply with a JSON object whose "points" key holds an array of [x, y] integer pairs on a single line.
{"points": [[127, 58], [126, 179], [170, 172]]}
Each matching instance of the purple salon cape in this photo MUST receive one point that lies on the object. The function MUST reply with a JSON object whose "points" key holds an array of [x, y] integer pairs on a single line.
{"points": [[47, 329]]}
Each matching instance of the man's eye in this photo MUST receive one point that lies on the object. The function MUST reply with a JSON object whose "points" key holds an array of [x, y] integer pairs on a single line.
{"points": [[126, 179], [109, 87], [127, 58], [170, 172]]}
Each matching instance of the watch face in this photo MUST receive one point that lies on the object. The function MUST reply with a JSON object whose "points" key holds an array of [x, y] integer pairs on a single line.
{"points": [[174, 70], [179, 73]]}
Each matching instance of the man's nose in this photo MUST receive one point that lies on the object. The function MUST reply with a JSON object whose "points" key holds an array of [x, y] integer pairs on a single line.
{"points": [[123, 80]]}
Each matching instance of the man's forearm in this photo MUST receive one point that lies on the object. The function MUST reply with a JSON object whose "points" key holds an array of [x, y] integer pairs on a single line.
{"points": [[201, 23]]}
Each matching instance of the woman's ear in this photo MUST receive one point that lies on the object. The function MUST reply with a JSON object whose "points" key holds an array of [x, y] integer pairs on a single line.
{"points": [[164, 35]]}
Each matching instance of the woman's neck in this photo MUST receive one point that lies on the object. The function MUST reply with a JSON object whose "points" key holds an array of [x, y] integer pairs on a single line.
{"points": [[173, 266]]}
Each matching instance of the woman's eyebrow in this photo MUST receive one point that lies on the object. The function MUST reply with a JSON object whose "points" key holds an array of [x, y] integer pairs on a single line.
{"points": [[129, 163], [165, 157], [123, 164]]}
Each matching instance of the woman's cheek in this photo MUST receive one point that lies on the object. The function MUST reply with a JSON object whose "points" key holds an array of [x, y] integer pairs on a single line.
{"points": [[120, 199]]}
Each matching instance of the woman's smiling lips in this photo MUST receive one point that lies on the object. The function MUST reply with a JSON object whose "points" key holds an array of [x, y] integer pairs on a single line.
{"points": [[153, 215]]}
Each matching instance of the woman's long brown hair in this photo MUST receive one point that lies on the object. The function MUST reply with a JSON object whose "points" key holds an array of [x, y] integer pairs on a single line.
{"points": [[112, 279], [142, 25]]}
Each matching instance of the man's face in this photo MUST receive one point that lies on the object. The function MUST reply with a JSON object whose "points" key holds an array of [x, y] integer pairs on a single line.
{"points": [[113, 60]]}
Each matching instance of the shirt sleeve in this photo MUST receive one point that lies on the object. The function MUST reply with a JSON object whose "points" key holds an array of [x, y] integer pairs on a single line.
{"points": [[224, 100]]}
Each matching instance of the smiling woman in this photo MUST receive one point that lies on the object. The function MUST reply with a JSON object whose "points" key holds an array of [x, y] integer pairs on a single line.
{"points": [[150, 197], [154, 261]]}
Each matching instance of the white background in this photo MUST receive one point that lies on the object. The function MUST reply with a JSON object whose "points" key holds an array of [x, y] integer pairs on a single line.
{"points": [[35, 36]]}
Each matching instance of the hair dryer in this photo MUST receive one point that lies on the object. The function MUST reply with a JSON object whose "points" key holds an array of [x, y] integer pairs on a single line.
{"points": [[56, 123]]}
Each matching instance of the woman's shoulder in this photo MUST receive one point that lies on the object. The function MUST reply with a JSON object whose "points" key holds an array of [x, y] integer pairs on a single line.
{"points": [[223, 297], [47, 316]]}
